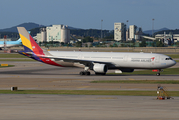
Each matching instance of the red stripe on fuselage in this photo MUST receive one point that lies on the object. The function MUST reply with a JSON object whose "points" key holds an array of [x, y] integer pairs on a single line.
{"points": [[49, 61]]}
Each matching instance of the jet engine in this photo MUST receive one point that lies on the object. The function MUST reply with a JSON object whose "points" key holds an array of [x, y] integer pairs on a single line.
{"points": [[100, 68]]}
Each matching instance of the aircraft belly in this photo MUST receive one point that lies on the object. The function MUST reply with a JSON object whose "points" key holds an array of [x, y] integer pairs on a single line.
{"points": [[69, 64], [65, 64]]}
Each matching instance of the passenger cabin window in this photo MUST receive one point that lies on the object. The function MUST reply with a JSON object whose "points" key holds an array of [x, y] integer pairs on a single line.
{"points": [[168, 58]]}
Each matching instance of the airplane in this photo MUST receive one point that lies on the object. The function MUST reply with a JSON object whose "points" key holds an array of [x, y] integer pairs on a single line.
{"points": [[10, 43], [99, 62]]}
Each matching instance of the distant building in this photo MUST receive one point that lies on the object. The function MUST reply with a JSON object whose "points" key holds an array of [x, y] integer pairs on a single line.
{"points": [[119, 31], [127, 34], [138, 34], [58, 33], [168, 37], [132, 32], [43, 34]]}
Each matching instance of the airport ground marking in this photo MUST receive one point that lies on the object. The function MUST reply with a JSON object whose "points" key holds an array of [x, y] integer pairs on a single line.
{"points": [[7, 66]]}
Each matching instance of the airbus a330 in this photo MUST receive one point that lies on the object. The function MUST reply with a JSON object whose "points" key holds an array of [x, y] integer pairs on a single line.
{"points": [[99, 62]]}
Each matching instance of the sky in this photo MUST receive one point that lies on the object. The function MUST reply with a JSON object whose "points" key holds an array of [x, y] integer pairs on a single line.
{"points": [[87, 14]]}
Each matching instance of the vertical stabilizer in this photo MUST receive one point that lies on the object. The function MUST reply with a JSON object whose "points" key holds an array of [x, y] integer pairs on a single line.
{"points": [[28, 42]]}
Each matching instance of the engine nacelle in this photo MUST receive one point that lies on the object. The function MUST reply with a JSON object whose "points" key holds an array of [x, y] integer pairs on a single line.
{"points": [[100, 68], [127, 70]]}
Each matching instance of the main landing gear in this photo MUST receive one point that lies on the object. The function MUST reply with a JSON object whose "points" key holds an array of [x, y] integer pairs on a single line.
{"points": [[100, 73], [85, 72]]}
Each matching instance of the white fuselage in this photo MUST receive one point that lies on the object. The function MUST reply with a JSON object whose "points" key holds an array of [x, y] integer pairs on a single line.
{"points": [[121, 59]]}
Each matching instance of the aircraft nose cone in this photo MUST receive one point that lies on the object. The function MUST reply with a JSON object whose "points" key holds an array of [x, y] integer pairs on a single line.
{"points": [[173, 62]]}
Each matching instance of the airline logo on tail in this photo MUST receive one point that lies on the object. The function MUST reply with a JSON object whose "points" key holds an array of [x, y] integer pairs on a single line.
{"points": [[30, 46], [28, 42]]}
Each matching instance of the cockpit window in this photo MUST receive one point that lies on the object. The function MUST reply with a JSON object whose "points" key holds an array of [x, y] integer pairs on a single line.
{"points": [[168, 58]]}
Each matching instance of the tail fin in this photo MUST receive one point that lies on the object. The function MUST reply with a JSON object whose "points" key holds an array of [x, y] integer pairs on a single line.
{"points": [[28, 42], [31, 46]]}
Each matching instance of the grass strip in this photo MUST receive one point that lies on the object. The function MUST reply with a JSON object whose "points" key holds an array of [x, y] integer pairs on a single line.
{"points": [[138, 81], [17, 59], [88, 92], [12, 55], [173, 55]]}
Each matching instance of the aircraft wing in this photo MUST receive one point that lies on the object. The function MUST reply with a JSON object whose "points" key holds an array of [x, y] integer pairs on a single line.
{"points": [[81, 61], [71, 60]]}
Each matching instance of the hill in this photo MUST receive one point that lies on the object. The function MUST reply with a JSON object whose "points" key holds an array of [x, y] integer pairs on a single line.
{"points": [[28, 26], [150, 31], [35, 28]]}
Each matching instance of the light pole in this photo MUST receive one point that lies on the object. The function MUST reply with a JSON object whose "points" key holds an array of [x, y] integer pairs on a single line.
{"points": [[153, 26], [101, 29], [127, 22]]}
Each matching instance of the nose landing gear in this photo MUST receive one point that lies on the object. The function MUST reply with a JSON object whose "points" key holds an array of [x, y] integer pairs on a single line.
{"points": [[158, 71], [157, 74]]}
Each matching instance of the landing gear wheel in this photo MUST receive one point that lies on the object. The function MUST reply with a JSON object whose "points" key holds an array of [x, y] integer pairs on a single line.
{"points": [[82, 73], [158, 74], [85, 73], [100, 73], [97, 73]]}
